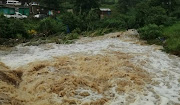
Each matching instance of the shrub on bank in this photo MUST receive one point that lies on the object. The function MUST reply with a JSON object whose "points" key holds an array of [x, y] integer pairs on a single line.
{"points": [[4, 27], [173, 45], [71, 21], [84, 22], [49, 26], [12, 28], [116, 23], [150, 32], [172, 33], [17, 29]]}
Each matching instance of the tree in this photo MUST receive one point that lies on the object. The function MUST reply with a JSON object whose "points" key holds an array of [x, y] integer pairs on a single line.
{"points": [[125, 5], [51, 3], [148, 14], [168, 5], [84, 6], [156, 15]]}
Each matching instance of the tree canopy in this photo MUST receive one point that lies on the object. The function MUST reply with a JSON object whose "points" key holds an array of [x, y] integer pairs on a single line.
{"points": [[84, 6]]}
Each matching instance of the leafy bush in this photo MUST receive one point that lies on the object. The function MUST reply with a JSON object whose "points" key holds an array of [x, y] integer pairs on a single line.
{"points": [[16, 28], [91, 20], [151, 31], [152, 15], [176, 13], [173, 45], [156, 15], [83, 22], [71, 20], [4, 27], [12, 28], [50, 26], [172, 33], [113, 23], [77, 30], [31, 24], [131, 22]]}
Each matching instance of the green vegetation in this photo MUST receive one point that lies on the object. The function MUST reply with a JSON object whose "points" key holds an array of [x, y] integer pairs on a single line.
{"points": [[150, 32], [49, 26], [172, 33], [156, 20], [9, 28]]}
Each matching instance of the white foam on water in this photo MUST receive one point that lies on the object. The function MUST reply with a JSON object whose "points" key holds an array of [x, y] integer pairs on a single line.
{"points": [[164, 67]]}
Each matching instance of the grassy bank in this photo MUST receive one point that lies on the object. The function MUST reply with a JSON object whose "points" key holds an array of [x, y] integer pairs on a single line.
{"points": [[168, 36], [172, 33]]}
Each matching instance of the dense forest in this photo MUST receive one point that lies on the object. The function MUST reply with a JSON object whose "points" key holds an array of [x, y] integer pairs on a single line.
{"points": [[158, 21]]}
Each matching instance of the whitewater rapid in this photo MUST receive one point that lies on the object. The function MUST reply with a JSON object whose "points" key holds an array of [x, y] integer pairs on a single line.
{"points": [[165, 68]]}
